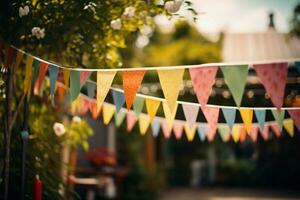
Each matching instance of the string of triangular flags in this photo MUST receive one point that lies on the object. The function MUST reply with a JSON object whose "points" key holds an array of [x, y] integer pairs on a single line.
{"points": [[273, 76]]}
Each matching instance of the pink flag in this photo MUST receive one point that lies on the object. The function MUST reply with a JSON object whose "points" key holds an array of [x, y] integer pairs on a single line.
{"points": [[130, 120], [243, 134], [84, 76], [190, 112], [211, 115], [265, 132], [295, 115], [275, 129], [84, 106], [253, 132], [42, 71], [273, 77], [178, 129], [165, 129], [203, 80]]}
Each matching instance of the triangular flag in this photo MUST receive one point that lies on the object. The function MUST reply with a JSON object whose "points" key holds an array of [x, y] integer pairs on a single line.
{"points": [[297, 65], [91, 90], [295, 115], [85, 103], [265, 132], [254, 132], [190, 132], [152, 106], [35, 65], [261, 117], [108, 111], [203, 79], [119, 118], [276, 130], [93, 109], [178, 129], [165, 129], [74, 84], [66, 77], [229, 115], [236, 77], [190, 112], [119, 99], [130, 120], [279, 117], [236, 133], [155, 126], [224, 132], [289, 126], [104, 81], [201, 132], [170, 81], [169, 116], [211, 114], [84, 76], [243, 134], [138, 105], [19, 57], [247, 116], [42, 72], [28, 74], [53, 74], [273, 77], [131, 83], [144, 122]]}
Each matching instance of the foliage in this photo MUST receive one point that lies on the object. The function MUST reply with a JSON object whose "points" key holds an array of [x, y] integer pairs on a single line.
{"points": [[295, 23]]}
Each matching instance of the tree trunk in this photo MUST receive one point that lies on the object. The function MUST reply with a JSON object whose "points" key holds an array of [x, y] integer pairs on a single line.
{"points": [[7, 132]]}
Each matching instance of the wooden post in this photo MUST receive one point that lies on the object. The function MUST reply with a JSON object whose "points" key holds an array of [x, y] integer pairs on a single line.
{"points": [[149, 153]]}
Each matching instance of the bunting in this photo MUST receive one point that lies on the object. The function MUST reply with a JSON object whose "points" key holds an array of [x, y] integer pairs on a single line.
{"points": [[190, 132], [144, 122], [224, 132], [254, 132], [28, 74], [119, 99], [201, 132], [53, 74], [275, 129], [236, 77], [279, 117], [170, 116], [155, 127], [165, 129], [247, 116], [211, 114], [138, 105], [236, 133], [131, 119], [289, 126], [91, 90], [119, 118], [170, 81], [229, 115], [74, 85], [295, 115], [104, 81], [131, 83], [42, 72], [261, 117], [178, 129], [190, 112], [84, 76], [152, 106], [273, 77], [19, 57], [108, 111], [66, 74], [265, 132], [203, 80]]}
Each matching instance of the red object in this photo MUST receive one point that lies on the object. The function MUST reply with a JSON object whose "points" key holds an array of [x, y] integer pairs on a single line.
{"points": [[101, 156], [37, 189]]}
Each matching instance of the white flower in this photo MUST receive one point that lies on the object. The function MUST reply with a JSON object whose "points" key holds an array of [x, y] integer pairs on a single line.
{"points": [[116, 24], [129, 12], [173, 6], [146, 30], [59, 129], [23, 11], [90, 6], [38, 32], [76, 119]]}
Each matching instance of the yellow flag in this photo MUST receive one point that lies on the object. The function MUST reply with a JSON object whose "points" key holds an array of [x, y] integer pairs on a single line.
{"points": [[152, 106], [66, 77], [108, 111], [19, 57], [28, 73], [170, 116], [289, 126], [247, 115], [144, 122], [104, 81], [170, 81], [190, 132], [236, 133]]}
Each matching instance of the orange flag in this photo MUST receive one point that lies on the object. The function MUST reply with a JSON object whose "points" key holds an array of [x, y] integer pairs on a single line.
{"points": [[42, 72], [131, 83]]}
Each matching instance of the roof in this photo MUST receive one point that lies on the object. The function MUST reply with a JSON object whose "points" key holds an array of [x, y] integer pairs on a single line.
{"points": [[270, 45]]}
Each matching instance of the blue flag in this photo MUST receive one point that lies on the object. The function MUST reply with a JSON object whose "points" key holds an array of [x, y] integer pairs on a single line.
{"points": [[229, 115], [201, 132], [53, 74], [155, 126], [261, 117], [119, 100]]}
